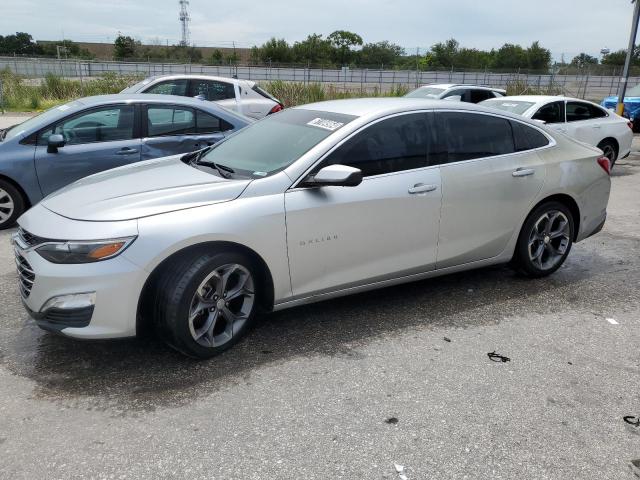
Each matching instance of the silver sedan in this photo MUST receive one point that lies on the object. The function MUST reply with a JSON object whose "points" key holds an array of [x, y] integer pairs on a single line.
{"points": [[314, 202]]}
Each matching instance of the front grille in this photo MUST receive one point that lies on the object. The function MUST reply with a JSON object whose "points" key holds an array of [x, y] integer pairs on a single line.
{"points": [[25, 275]]}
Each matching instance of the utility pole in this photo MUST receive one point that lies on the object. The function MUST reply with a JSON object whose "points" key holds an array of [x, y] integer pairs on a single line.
{"points": [[627, 63], [184, 22]]}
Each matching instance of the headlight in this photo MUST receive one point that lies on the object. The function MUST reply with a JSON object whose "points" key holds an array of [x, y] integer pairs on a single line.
{"points": [[84, 252]]}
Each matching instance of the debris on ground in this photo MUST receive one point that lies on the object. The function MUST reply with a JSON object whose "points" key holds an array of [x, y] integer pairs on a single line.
{"points": [[612, 321], [447, 339], [496, 357], [635, 467], [400, 470], [391, 420], [631, 420]]}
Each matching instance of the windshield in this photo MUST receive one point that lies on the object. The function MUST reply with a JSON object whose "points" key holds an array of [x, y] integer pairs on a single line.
{"points": [[426, 92], [633, 92], [272, 144], [135, 88], [512, 106], [39, 120]]}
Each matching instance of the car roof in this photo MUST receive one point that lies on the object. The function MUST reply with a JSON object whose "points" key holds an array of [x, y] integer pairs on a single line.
{"points": [[544, 99], [142, 97], [380, 106], [194, 76], [461, 85]]}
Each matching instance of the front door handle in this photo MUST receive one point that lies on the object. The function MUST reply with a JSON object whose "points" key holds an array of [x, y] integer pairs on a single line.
{"points": [[597, 126], [523, 172], [126, 151], [422, 188]]}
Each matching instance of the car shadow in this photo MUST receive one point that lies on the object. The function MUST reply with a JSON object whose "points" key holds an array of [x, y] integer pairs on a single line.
{"points": [[142, 374]]}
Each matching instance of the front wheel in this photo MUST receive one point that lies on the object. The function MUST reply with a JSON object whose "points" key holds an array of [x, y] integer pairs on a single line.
{"points": [[204, 306], [11, 205], [545, 240]]}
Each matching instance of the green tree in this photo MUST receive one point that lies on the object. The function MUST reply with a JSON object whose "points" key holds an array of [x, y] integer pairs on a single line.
{"points": [[443, 54], [216, 57], [274, 50], [314, 50], [380, 53], [510, 56], [619, 57], [539, 58], [124, 47], [19, 44], [584, 60], [343, 41]]}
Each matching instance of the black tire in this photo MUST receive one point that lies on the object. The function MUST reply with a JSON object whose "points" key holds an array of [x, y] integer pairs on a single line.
{"points": [[176, 289], [556, 249], [11, 202], [610, 150]]}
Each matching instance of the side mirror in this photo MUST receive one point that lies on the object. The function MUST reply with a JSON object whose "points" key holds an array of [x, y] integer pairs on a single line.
{"points": [[543, 122], [335, 175], [453, 98], [54, 142], [200, 97]]}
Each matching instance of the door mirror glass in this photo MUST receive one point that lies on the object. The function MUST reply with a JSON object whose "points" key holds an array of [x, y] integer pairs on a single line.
{"points": [[54, 142], [200, 97], [335, 175]]}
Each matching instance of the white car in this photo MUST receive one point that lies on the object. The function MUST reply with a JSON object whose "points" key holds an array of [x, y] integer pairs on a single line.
{"points": [[456, 92], [242, 96], [314, 202], [585, 121]]}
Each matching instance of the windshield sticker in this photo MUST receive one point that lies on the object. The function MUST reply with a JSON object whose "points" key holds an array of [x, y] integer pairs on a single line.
{"points": [[326, 124], [260, 174], [509, 104]]}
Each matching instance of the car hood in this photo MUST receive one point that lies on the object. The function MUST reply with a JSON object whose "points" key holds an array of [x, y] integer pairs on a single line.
{"points": [[142, 189]]}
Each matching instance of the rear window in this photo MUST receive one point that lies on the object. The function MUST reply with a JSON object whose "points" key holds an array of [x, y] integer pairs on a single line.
{"points": [[513, 106], [264, 93]]}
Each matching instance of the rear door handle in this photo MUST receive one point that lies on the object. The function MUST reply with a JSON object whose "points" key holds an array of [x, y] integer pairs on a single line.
{"points": [[597, 126], [523, 172], [126, 151], [422, 188]]}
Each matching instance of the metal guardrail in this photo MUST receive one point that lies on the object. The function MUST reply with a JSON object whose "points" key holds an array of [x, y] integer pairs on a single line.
{"points": [[579, 85]]}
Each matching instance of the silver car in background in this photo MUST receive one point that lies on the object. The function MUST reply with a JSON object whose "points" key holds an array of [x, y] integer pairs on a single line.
{"points": [[456, 92], [314, 202], [243, 96]]}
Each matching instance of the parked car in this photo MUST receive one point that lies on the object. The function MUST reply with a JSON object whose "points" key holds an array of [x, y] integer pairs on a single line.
{"points": [[580, 119], [456, 92], [242, 96], [92, 134], [631, 106], [315, 202]]}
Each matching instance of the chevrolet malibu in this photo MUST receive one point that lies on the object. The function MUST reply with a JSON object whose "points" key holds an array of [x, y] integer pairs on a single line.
{"points": [[311, 203]]}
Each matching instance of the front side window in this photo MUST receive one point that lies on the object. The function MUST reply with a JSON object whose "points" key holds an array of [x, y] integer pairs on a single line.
{"points": [[275, 142], [577, 111], [463, 94], [479, 95], [166, 120], [104, 124], [466, 136], [551, 113], [212, 90], [170, 87], [392, 145]]}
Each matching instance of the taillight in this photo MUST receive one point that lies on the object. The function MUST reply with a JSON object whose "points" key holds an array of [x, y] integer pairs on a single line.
{"points": [[630, 124], [605, 164], [276, 109]]}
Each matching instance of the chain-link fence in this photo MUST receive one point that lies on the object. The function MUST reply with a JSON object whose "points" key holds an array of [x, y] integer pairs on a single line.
{"points": [[583, 83]]}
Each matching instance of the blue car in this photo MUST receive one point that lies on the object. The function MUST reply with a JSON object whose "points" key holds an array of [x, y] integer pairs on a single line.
{"points": [[631, 105], [86, 136]]}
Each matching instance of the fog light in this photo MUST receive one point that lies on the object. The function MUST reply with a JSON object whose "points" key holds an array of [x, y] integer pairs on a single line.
{"points": [[72, 301]]}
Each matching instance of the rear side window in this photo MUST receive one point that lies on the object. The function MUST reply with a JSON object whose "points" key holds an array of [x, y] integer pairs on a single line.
{"points": [[479, 95], [577, 111], [170, 87], [163, 121], [212, 90], [206, 123], [465, 136], [527, 138], [551, 113], [392, 145]]}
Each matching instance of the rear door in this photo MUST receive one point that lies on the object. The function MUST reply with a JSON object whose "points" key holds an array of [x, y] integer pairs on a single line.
{"points": [[97, 139], [174, 129], [385, 227], [217, 91], [488, 184], [585, 122]]}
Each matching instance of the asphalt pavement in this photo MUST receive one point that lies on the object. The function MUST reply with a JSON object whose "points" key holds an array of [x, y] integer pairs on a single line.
{"points": [[350, 388]]}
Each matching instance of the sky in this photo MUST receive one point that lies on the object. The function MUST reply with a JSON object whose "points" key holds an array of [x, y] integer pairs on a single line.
{"points": [[566, 27]]}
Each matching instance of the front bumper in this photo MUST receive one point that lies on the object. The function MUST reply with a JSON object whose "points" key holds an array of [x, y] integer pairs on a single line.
{"points": [[117, 284]]}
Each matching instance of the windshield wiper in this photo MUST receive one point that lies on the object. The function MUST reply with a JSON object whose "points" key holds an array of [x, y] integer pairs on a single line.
{"points": [[223, 170]]}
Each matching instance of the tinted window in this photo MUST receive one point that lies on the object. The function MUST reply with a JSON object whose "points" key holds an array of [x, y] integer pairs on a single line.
{"points": [[463, 94], [527, 138], [480, 95], [170, 87], [206, 123], [392, 145], [577, 111], [465, 136], [170, 121], [212, 90], [105, 124], [551, 113], [512, 106]]}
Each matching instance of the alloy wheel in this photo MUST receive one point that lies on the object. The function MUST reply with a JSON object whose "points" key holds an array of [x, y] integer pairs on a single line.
{"points": [[6, 206], [221, 305], [609, 152], [549, 240]]}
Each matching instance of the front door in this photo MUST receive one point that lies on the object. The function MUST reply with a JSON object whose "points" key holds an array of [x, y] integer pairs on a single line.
{"points": [[98, 139], [385, 227]]}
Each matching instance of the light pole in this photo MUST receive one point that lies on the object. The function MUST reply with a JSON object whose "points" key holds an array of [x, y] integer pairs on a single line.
{"points": [[627, 63]]}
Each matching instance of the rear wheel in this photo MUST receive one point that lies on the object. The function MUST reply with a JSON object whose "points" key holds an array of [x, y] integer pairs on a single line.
{"points": [[609, 150], [203, 306], [11, 204], [545, 240]]}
